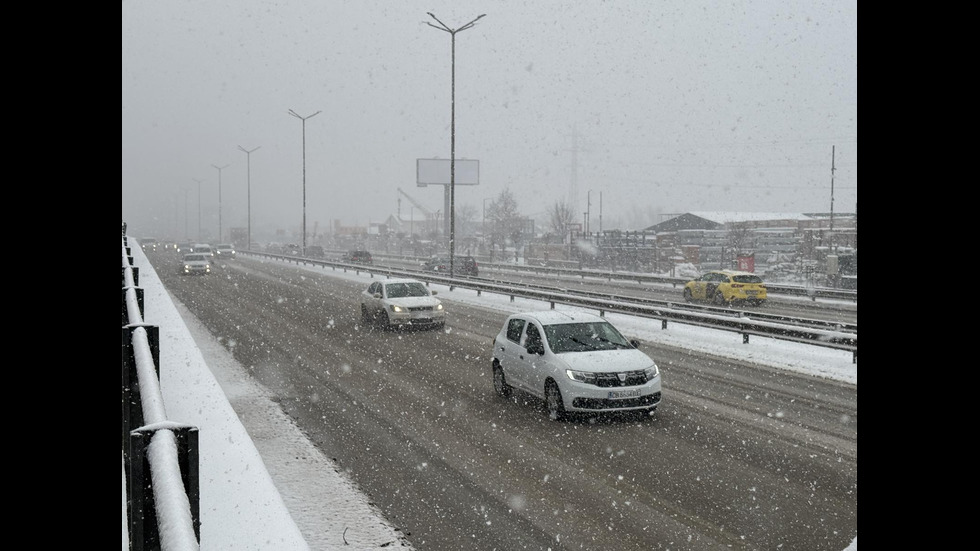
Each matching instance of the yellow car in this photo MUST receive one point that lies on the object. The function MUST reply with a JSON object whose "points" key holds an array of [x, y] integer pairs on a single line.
{"points": [[724, 287]]}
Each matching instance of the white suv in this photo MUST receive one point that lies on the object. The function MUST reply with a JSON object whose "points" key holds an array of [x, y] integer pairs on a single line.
{"points": [[576, 362]]}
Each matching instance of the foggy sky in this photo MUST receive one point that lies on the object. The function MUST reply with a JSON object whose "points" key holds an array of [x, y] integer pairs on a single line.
{"points": [[662, 107]]}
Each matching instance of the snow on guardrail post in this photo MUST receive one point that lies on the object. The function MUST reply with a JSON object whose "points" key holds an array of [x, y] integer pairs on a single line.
{"points": [[144, 517], [132, 404], [136, 274], [125, 305]]}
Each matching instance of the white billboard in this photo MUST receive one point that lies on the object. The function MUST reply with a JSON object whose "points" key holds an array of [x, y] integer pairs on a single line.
{"points": [[437, 172]]}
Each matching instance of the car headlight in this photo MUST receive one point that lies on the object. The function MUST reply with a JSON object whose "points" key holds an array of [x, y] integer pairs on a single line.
{"points": [[439, 306], [651, 372], [397, 308], [581, 376]]}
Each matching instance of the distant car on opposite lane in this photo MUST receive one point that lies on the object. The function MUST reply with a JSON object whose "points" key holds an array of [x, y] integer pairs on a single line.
{"points": [[462, 265], [358, 257], [401, 302], [726, 287], [575, 362]]}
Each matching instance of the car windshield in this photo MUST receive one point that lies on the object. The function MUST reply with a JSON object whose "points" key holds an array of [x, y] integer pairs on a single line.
{"points": [[399, 290], [194, 258], [747, 279], [583, 337]]}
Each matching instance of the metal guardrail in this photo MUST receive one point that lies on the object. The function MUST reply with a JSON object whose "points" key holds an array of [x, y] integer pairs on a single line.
{"points": [[156, 451], [791, 290], [800, 330]]}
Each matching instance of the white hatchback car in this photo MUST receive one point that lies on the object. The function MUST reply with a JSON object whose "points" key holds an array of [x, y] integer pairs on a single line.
{"points": [[576, 362], [401, 302], [195, 263]]}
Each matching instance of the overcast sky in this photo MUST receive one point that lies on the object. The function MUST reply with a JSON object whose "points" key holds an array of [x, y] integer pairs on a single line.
{"points": [[662, 107]]}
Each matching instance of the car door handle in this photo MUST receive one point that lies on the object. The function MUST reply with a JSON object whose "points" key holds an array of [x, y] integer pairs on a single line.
{"points": [[522, 356], [501, 348]]}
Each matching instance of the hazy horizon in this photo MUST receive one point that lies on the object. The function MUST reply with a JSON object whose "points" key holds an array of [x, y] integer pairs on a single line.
{"points": [[660, 108]]}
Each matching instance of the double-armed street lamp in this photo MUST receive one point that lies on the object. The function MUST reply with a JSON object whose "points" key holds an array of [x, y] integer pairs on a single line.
{"points": [[293, 113], [220, 234], [248, 157], [452, 147]]}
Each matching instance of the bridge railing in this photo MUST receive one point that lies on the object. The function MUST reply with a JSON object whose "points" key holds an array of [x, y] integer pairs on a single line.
{"points": [[160, 457]]}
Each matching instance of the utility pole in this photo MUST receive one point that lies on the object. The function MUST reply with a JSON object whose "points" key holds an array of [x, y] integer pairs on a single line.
{"points": [[293, 113], [452, 146], [832, 169], [248, 160], [220, 234]]}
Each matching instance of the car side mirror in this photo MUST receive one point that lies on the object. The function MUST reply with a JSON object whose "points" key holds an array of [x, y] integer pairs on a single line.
{"points": [[535, 348], [377, 295], [635, 343], [434, 293]]}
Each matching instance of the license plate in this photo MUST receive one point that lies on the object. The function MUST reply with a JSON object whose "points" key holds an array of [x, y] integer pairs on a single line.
{"points": [[616, 394], [752, 293]]}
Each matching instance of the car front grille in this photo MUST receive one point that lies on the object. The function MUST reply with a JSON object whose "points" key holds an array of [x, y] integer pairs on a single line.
{"points": [[629, 378], [420, 309], [602, 403]]}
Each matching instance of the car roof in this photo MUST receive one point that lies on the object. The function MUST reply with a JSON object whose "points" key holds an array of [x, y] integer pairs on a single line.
{"points": [[555, 317], [401, 280], [729, 272]]}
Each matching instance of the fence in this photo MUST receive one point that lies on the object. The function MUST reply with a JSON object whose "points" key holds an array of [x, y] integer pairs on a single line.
{"points": [[800, 330], [160, 457]]}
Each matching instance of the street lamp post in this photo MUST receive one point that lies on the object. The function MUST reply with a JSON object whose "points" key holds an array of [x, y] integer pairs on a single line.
{"points": [[220, 234], [452, 147], [199, 238], [293, 113], [248, 169], [588, 212]]}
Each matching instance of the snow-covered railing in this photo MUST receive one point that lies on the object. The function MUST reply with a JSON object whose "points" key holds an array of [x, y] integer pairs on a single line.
{"points": [[571, 269], [160, 457]]}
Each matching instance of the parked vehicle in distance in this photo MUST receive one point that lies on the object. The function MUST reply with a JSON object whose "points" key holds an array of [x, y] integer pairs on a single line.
{"points": [[358, 257], [195, 263], [401, 302], [725, 287], [314, 251], [462, 265], [149, 244], [575, 362], [224, 250]]}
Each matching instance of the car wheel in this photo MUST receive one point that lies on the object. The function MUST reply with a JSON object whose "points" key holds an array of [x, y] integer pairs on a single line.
{"points": [[499, 382], [687, 295], [719, 299], [553, 401]]}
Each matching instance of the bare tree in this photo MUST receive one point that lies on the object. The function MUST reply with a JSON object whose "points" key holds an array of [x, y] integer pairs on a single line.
{"points": [[465, 216], [504, 217], [561, 217]]}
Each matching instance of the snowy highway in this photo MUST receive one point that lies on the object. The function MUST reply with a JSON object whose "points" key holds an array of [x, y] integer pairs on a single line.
{"points": [[739, 456]]}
